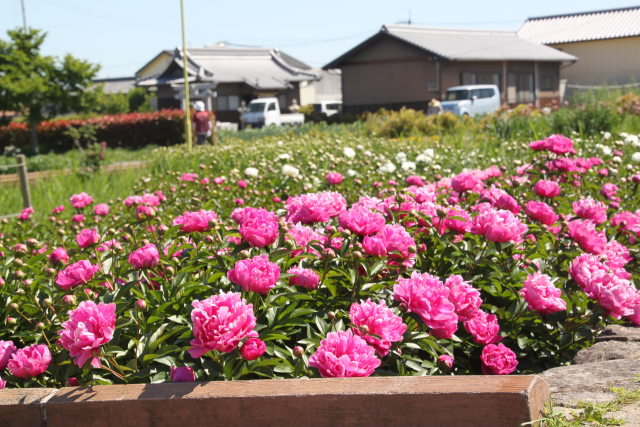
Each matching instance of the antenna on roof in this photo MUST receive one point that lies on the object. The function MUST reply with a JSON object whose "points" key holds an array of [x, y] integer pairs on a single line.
{"points": [[408, 21]]}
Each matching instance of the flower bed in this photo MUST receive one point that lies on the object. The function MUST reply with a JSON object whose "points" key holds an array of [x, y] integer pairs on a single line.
{"points": [[496, 270]]}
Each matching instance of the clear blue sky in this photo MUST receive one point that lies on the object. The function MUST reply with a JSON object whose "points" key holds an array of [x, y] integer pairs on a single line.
{"points": [[122, 35]]}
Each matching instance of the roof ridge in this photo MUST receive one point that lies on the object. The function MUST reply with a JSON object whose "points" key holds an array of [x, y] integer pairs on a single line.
{"points": [[588, 12], [447, 30]]}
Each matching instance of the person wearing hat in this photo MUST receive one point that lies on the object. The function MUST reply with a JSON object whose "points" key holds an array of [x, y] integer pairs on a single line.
{"points": [[201, 122]]}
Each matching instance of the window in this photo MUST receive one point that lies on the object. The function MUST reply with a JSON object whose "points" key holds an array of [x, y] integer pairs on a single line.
{"points": [[234, 102], [480, 78], [548, 82], [223, 103], [272, 106], [520, 88], [486, 93], [456, 95]]}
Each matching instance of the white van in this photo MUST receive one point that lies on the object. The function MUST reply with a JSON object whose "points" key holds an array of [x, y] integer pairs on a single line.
{"points": [[471, 100], [266, 112]]}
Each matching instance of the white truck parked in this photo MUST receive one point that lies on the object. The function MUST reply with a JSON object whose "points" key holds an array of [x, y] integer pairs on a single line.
{"points": [[266, 112]]}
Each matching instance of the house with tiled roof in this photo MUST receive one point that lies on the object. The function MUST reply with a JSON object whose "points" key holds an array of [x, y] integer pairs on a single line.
{"points": [[606, 43], [224, 77], [407, 66]]}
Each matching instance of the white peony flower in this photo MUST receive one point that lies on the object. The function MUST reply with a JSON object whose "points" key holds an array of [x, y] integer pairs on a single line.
{"points": [[292, 171], [387, 168], [606, 135], [634, 140], [251, 172], [351, 172], [284, 156], [401, 157], [635, 157], [349, 152], [408, 166]]}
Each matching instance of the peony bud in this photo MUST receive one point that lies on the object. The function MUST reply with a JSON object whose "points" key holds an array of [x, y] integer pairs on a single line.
{"points": [[11, 321], [69, 300], [141, 305], [298, 351], [13, 306], [72, 382], [331, 315]]}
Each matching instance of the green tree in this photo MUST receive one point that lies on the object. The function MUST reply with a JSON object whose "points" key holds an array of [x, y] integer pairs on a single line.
{"points": [[40, 86]]}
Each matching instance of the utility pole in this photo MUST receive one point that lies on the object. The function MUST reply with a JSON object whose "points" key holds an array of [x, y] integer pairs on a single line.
{"points": [[187, 105], [24, 17]]}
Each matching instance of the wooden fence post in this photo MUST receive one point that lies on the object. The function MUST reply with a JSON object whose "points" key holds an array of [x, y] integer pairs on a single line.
{"points": [[24, 181]]}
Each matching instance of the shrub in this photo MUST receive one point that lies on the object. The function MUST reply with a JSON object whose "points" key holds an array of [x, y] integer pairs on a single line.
{"points": [[134, 130]]}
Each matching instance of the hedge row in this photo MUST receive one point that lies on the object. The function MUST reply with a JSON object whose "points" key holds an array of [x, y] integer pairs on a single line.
{"points": [[132, 130]]}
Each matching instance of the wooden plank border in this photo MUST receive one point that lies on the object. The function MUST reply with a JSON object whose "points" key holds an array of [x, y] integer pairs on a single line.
{"points": [[375, 401]]}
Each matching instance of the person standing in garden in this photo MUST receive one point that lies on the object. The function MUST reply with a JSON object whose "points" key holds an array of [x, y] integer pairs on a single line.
{"points": [[202, 123]]}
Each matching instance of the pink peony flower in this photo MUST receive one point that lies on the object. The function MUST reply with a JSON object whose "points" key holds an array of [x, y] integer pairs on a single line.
{"points": [[456, 220], [541, 212], [89, 327], [58, 256], [584, 233], [81, 200], [414, 180], [540, 145], [548, 189], [3, 384], [465, 298], [182, 374], [77, 218], [541, 295], [87, 237], [499, 226], [304, 237], [315, 207], [220, 322], [252, 348], [58, 209], [101, 209], [609, 190], [334, 178], [26, 213], [30, 361], [7, 348], [304, 277], [144, 257], [196, 221], [466, 181], [361, 221], [559, 144], [392, 241], [144, 212], [590, 209], [376, 324], [256, 274], [498, 360], [428, 297], [76, 274], [259, 227], [189, 177], [484, 328], [343, 354]]}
